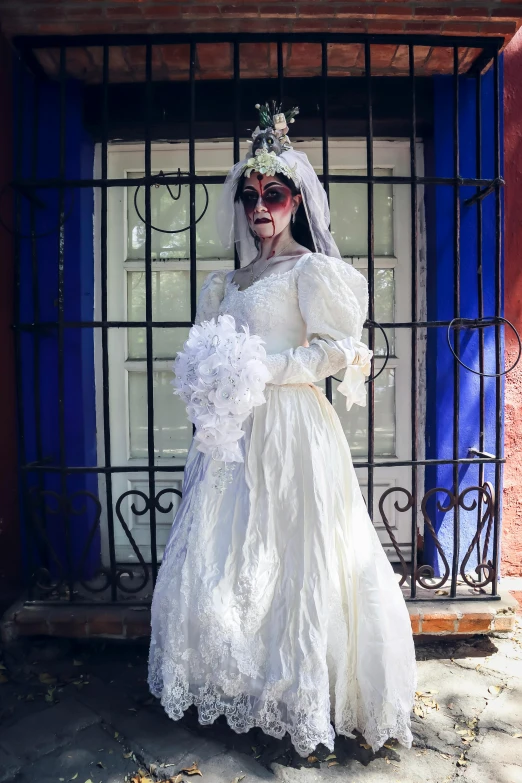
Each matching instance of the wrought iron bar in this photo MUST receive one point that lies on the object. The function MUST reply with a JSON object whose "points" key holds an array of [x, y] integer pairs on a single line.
{"points": [[105, 326], [371, 269], [414, 307], [456, 313]]}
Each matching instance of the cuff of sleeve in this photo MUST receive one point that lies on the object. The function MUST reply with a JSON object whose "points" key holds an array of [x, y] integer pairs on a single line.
{"points": [[358, 360]]}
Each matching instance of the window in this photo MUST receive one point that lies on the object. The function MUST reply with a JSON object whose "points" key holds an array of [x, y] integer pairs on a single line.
{"points": [[171, 302]]}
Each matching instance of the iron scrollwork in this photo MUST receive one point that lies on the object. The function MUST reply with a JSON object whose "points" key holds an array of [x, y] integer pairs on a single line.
{"points": [[406, 507], [161, 179], [61, 506], [487, 493]]}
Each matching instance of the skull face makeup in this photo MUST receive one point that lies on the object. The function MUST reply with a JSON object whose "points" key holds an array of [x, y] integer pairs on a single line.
{"points": [[249, 216], [269, 204]]}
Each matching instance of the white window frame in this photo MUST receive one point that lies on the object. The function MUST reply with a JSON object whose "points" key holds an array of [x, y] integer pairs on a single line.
{"points": [[343, 154]]}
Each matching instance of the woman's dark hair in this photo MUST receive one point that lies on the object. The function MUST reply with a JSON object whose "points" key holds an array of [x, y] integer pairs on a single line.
{"points": [[300, 229]]}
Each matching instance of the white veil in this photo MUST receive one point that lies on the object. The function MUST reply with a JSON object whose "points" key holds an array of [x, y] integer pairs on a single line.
{"points": [[232, 223]]}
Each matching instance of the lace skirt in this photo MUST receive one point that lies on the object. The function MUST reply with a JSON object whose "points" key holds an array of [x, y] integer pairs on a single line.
{"points": [[275, 603]]}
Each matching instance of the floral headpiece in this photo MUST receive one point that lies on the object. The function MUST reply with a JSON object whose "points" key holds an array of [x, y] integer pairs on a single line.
{"points": [[270, 140]]}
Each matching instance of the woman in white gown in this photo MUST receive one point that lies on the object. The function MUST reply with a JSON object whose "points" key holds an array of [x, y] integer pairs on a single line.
{"points": [[275, 603]]}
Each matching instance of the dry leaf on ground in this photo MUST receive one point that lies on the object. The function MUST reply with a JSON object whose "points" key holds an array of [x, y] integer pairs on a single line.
{"points": [[193, 769]]}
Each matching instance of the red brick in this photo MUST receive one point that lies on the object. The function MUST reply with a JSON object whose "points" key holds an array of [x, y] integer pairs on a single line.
{"points": [[71, 28], [477, 12], [162, 11], [441, 60], [461, 28], [385, 26], [125, 13], [468, 58], [311, 25], [81, 13], [198, 11], [175, 56], [415, 623], [395, 10], [348, 26], [304, 57], [401, 61], [509, 12], [365, 10], [215, 57], [284, 11], [253, 58], [264, 25], [474, 623], [382, 56], [106, 622], [423, 27], [316, 11], [342, 56], [243, 11], [440, 622], [443, 12], [139, 27], [137, 56], [498, 28]]}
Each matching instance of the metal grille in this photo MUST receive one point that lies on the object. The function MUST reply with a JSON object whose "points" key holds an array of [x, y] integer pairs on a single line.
{"points": [[50, 514]]}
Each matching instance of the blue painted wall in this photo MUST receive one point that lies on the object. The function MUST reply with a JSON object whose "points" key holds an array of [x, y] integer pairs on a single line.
{"points": [[441, 265], [39, 290]]}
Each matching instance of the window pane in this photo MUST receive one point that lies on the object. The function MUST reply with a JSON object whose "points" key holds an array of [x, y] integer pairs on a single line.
{"points": [[172, 429], [171, 212], [384, 290], [170, 302], [355, 421], [349, 215]]}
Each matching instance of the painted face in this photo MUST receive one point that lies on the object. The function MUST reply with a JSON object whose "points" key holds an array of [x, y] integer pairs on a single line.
{"points": [[268, 204]]}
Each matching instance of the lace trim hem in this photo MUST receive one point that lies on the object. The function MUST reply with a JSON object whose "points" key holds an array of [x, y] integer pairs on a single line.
{"points": [[244, 712]]}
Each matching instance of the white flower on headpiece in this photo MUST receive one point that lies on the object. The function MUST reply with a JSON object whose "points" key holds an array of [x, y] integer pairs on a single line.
{"points": [[270, 164]]}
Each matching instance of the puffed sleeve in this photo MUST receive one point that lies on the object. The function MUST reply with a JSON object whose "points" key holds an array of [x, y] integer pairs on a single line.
{"points": [[333, 299], [210, 295]]}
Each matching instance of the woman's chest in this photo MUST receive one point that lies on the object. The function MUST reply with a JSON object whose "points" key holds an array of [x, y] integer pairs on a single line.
{"points": [[270, 308]]}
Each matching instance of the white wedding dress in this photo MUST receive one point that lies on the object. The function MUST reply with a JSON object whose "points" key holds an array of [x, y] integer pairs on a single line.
{"points": [[275, 603]]}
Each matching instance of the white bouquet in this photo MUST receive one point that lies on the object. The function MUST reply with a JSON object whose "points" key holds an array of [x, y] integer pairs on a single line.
{"points": [[221, 376]]}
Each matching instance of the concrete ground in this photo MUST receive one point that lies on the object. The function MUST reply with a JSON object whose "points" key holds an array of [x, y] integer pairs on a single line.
{"points": [[81, 711]]}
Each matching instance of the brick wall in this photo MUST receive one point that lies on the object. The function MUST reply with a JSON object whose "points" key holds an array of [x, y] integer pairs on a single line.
{"points": [[70, 17]]}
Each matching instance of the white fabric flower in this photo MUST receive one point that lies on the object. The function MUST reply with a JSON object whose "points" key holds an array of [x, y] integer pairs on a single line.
{"points": [[221, 376]]}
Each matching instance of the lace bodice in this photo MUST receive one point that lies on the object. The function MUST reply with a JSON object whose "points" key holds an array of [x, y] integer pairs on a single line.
{"points": [[319, 296], [311, 319]]}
